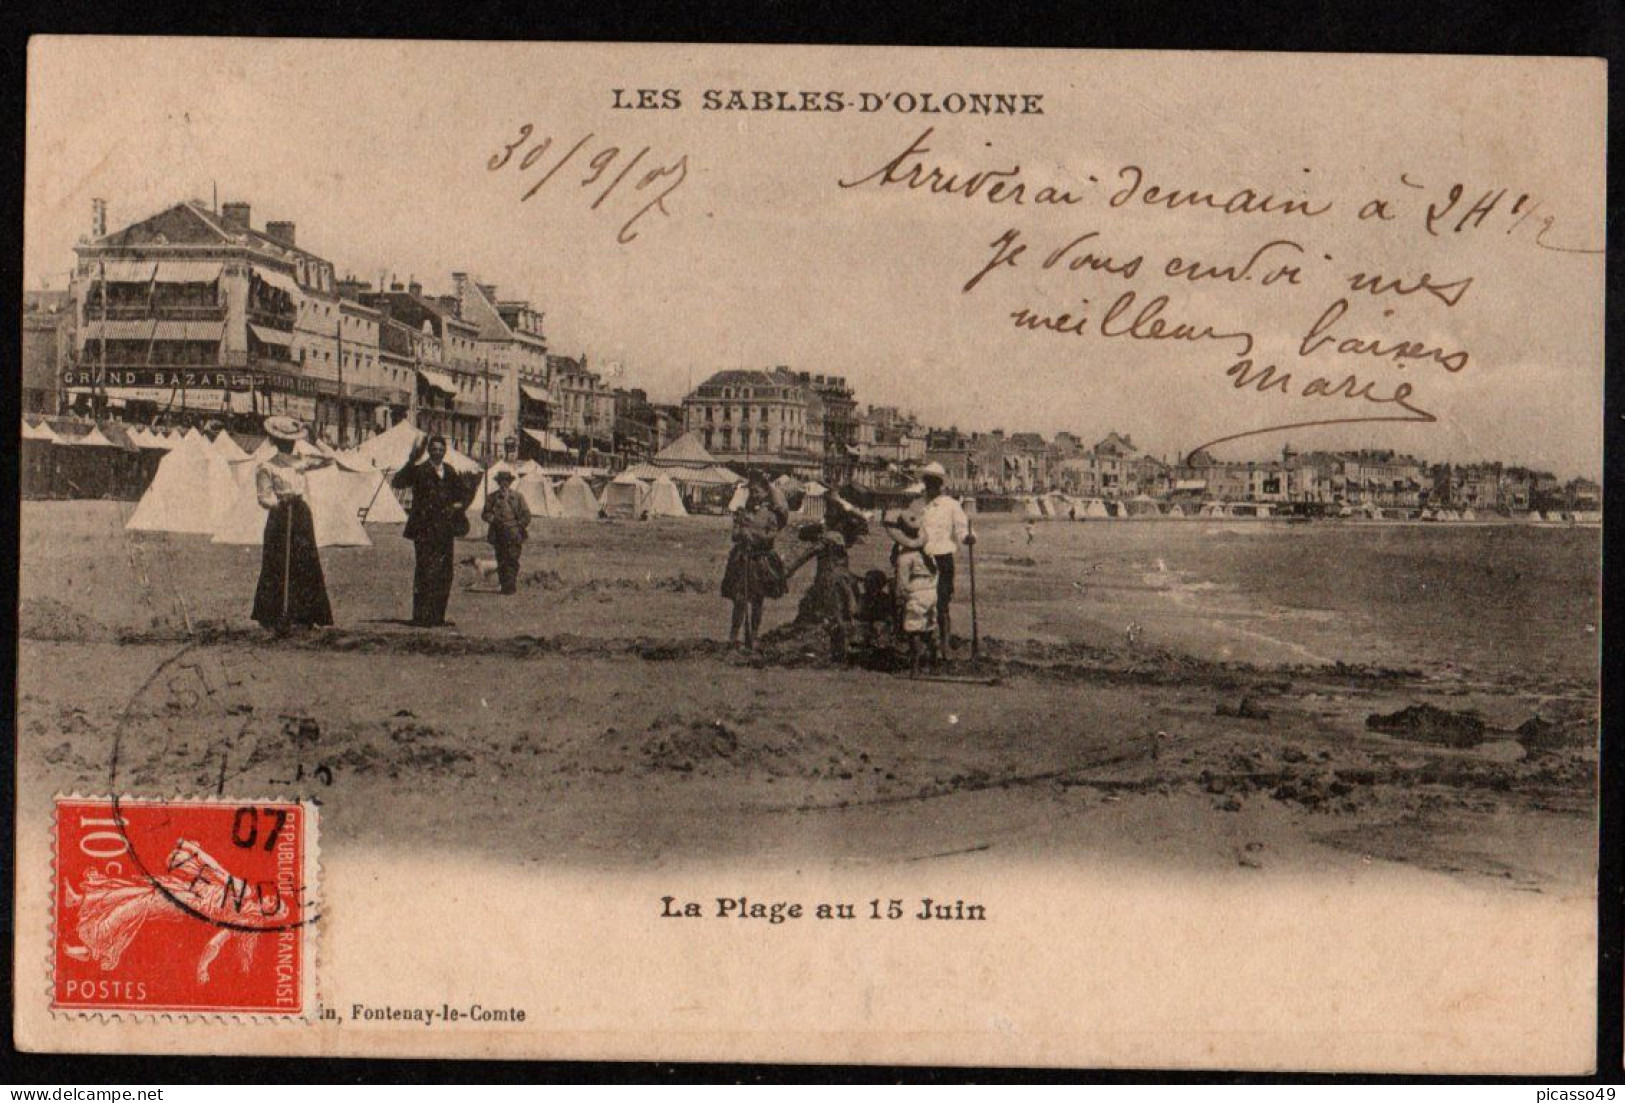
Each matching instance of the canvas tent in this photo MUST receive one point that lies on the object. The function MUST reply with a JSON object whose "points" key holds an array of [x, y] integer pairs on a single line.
{"points": [[228, 449], [336, 497], [623, 495], [1142, 505], [685, 451], [389, 450], [576, 499], [191, 487], [1030, 507], [1094, 508], [662, 500]]}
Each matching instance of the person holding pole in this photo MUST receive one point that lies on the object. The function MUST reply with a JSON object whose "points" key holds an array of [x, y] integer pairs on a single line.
{"points": [[945, 527], [292, 592]]}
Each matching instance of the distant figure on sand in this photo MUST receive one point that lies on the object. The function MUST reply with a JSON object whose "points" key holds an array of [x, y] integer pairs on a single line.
{"points": [[507, 524], [439, 502], [292, 592], [755, 572], [946, 528], [916, 581], [1030, 530]]}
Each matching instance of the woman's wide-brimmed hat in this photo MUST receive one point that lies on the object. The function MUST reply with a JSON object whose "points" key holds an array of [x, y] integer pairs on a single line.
{"points": [[283, 427], [903, 526]]}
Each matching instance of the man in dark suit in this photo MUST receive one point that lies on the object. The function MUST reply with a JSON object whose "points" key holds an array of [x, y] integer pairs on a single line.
{"points": [[439, 498]]}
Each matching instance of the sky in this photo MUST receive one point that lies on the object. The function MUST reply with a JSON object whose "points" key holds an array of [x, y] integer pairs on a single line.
{"points": [[381, 153]]}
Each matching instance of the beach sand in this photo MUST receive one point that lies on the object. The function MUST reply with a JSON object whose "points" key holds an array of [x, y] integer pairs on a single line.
{"points": [[602, 707]]}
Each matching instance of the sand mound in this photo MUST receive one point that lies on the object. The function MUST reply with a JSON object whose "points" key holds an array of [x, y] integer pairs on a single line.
{"points": [[48, 619], [1430, 724]]}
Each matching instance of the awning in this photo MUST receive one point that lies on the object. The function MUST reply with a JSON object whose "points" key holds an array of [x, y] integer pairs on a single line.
{"points": [[547, 441], [125, 271], [197, 331], [137, 329], [1191, 484], [189, 271], [440, 381], [535, 394], [267, 336], [278, 280]]}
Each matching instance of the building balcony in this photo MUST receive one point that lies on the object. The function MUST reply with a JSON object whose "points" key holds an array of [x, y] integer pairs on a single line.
{"points": [[271, 319], [201, 312]]}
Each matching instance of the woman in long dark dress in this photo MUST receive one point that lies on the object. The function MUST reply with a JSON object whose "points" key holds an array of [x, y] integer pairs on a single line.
{"points": [[755, 572], [292, 592]]}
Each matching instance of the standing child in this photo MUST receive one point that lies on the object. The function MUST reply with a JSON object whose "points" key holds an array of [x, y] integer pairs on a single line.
{"points": [[916, 585], [754, 572]]}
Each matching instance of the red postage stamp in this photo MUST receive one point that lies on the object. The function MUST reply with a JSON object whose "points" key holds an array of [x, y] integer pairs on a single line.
{"points": [[184, 906]]}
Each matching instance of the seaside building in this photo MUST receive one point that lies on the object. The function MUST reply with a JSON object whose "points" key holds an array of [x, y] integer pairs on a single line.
{"points": [[583, 410], [758, 418], [192, 311], [952, 449], [454, 385], [48, 333], [514, 350]]}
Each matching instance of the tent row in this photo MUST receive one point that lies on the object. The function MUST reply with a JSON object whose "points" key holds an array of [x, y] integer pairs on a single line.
{"points": [[197, 490]]}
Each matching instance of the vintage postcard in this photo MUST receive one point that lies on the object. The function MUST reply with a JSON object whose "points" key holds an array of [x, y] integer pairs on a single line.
{"points": [[810, 554]]}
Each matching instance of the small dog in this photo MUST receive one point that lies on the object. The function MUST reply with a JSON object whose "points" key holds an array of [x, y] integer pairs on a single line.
{"points": [[485, 568]]}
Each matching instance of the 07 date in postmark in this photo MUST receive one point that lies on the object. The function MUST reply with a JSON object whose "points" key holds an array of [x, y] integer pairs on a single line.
{"points": [[184, 906]]}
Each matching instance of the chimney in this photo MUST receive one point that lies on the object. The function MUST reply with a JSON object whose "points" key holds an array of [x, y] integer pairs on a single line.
{"points": [[413, 286], [235, 215], [280, 231], [98, 218]]}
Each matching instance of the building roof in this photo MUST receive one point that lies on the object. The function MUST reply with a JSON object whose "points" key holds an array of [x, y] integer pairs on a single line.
{"points": [[482, 312]]}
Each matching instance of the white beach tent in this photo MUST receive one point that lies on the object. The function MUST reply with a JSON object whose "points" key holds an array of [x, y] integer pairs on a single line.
{"points": [[662, 500], [1142, 505], [537, 491], [41, 432], [1093, 507], [576, 499], [623, 495], [389, 450], [227, 448], [1030, 507], [191, 487], [335, 497]]}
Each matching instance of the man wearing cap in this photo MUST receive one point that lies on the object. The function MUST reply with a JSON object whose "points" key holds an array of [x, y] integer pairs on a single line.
{"points": [[439, 499], [945, 527], [507, 524]]}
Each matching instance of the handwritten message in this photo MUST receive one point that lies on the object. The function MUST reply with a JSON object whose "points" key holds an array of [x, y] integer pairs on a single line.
{"points": [[1351, 359]]}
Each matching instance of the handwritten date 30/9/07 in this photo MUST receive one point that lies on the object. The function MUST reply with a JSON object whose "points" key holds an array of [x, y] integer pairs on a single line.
{"points": [[616, 178]]}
